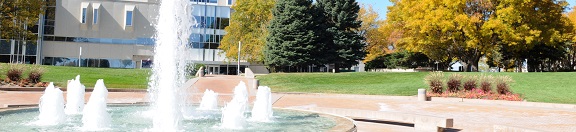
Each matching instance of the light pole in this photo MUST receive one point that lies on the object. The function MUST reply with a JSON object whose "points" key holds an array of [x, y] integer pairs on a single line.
{"points": [[79, 55], [239, 45], [436, 65]]}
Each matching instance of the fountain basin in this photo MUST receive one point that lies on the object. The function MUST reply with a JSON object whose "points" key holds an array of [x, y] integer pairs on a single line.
{"points": [[139, 118]]}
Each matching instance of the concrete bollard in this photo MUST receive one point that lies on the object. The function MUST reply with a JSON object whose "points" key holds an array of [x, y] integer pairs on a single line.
{"points": [[422, 94]]}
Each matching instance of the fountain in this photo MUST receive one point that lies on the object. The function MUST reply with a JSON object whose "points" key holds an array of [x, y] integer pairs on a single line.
{"points": [[172, 34], [209, 101], [167, 95], [262, 109], [233, 113], [74, 96], [95, 116], [51, 107]]}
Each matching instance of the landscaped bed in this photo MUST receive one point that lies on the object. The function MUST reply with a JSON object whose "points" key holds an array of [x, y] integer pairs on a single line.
{"points": [[552, 87]]}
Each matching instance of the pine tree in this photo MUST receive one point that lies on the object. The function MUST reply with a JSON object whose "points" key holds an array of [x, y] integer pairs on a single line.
{"points": [[292, 41], [346, 45]]}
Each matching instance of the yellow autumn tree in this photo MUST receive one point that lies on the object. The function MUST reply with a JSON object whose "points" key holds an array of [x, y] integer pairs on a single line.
{"points": [[248, 24], [372, 29], [572, 17]]}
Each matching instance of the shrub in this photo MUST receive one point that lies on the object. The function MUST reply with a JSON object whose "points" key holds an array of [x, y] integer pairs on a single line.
{"points": [[35, 75], [503, 84], [486, 83], [454, 82], [470, 82], [434, 81], [14, 73]]}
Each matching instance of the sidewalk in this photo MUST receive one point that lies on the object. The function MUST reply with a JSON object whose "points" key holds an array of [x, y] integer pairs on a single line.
{"points": [[474, 117], [469, 115]]}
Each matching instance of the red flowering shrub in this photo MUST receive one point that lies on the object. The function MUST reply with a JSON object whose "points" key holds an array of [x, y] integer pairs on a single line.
{"points": [[434, 81], [454, 82]]}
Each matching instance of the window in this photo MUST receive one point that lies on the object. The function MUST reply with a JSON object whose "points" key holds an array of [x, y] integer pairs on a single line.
{"points": [[95, 16], [213, 1], [129, 18], [229, 2], [84, 15]]}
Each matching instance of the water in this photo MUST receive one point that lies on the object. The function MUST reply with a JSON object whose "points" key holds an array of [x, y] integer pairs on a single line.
{"points": [[262, 109], [51, 107], [134, 118], [75, 97], [167, 95], [95, 116], [233, 113], [209, 101]]}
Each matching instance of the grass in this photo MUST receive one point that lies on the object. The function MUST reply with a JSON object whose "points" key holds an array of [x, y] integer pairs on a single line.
{"points": [[557, 87], [113, 78]]}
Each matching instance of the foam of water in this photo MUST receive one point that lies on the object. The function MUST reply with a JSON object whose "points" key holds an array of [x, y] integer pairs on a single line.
{"points": [[209, 100], [51, 107], [168, 72], [95, 116], [75, 97], [233, 113], [262, 109]]}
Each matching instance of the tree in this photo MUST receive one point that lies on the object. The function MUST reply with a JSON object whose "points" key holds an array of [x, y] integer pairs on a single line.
{"points": [[444, 30], [248, 24], [345, 44], [18, 16], [528, 27], [375, 32], [293, 40]]}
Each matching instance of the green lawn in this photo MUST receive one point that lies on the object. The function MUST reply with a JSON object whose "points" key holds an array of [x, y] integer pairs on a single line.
{"points": [[536, 87], [113, 78]]}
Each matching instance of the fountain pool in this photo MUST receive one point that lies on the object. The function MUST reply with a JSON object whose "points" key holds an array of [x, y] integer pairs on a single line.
{"points": [[138, 118]]}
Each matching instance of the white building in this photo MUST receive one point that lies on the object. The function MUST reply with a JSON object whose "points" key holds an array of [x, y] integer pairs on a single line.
{"points": [[118, 34]]}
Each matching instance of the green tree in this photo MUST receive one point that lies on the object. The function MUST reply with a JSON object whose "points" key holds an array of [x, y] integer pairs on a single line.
{"points": [[292, 41], [18, 16], [345, 43], [248, 24]]}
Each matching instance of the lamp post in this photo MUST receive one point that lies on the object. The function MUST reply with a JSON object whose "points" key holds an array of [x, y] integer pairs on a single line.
{"points": [[437, 65], [79, 55], [239, 45]]}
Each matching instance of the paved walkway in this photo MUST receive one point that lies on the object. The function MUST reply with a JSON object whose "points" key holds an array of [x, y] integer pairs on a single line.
{"points": [[475, 116]]}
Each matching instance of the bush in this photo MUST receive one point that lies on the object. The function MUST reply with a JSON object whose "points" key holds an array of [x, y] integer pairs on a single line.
{"points": [[434, 81], [35, 75], [454, 82], [503, 84], [15, 71], [470, 82], [486, 83]]}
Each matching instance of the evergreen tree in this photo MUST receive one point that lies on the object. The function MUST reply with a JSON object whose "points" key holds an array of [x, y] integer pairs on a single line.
{"points": [[292, 40], [346, 45]]}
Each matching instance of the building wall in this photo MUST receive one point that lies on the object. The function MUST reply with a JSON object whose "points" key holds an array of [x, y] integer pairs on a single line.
{"points": [[110, 39], [111, 15]]}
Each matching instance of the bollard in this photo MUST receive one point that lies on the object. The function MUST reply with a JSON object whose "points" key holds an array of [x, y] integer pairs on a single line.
{"points": [[422, 94]]}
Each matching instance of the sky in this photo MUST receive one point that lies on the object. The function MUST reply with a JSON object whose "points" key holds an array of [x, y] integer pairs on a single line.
{"points": [[380, 6]]}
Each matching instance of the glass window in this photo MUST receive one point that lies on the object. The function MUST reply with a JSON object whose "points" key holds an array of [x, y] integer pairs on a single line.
{"points": [[84, 15], [31, 48], [5, 47], [95, 16], [213, 1], [129, 18], [225, 22], [229, 2]]}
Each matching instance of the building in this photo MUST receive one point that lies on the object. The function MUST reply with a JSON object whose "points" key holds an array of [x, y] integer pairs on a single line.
{"points": [[118, 34]]}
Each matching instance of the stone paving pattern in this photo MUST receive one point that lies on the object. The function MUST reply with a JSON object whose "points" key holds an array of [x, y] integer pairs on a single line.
{"points": [[479, 116]]}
